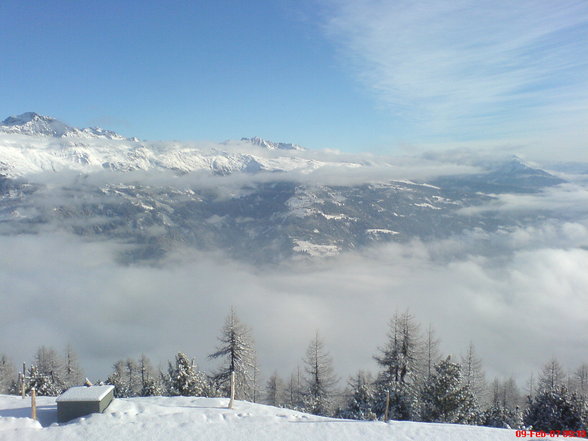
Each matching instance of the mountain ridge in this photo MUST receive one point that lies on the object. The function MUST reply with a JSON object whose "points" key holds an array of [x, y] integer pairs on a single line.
{"points": [[34, 124]]}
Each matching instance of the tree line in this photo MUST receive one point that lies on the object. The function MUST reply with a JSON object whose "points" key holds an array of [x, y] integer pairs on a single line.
{"points": [[414, 382]]}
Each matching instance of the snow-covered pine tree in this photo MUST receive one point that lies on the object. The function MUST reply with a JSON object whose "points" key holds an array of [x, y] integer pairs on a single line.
{"points": [[72, 372], [48, 364], [555, 409], [445, 398], [274, 391], [186, 380], [473, 374], [320, 378], [120, 380], [7, 375], [360, 398], [43, 384], [237, 349], [398, 361]]}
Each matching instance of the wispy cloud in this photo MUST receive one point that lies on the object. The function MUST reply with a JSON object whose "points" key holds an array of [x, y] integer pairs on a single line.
{"points": [[470, 69]]}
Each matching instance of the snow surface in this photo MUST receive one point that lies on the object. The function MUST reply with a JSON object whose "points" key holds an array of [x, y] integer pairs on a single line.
{"points": [[84, 393], [208, 419]]}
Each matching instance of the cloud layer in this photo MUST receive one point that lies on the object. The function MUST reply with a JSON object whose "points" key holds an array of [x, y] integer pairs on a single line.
{"points": [[520, 302]]}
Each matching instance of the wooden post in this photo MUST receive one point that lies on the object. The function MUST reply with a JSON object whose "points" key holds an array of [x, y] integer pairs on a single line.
{"points": [[387, 405], [23, 382], [33, 403], [232, 390]]}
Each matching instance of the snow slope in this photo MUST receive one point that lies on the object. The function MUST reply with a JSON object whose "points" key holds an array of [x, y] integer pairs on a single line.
{"points": [[208, 419]]}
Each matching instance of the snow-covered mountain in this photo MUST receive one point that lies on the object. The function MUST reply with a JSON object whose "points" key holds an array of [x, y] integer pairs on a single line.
{"points": [[31, 143], [253, 198]]}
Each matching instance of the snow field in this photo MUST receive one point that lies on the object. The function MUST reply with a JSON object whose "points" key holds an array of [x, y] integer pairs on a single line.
{"points": [[208, 419]]}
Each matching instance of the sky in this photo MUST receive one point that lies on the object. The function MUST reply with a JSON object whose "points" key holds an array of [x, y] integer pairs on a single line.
{"points": [[354, 75]]}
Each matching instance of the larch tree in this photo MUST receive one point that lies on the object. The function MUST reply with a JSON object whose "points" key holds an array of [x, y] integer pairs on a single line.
{"points": [[48, 364], [473, 374], [398, 361], [274, 391], [429, 354], [7, 375], [150, 383], [552, 376], [320, 378], [294, 390], [72, 372], [580, 381], [505, 406], [236, 349]]}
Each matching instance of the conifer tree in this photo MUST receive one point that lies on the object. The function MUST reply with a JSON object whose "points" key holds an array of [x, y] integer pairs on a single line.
{"points": [[445, 398], [150, 384], [133, 373], [320, 378], [43, 384], [72, 372], [555, 409], [430, 355], [580, 381], [552, 376], [7, 374], [504, 411], [237, 350], [49, 364], [185, 379], [398, 361], [274, 391], [120, 380], [361, 398], [473, 374], [294, 391]]}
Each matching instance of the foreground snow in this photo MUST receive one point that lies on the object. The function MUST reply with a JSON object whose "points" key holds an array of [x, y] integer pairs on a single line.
{"points": [[191, 419]]}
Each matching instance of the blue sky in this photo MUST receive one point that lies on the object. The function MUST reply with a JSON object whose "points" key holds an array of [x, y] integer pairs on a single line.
{"points": [[357, 75]]}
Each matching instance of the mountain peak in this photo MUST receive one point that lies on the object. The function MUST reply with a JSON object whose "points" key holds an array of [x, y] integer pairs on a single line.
{"points": [[33, 124], [23, 118], [270, 145]]}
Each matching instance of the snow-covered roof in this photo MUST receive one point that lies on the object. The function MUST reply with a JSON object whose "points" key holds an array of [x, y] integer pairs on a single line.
{"points": [[84, 393]]}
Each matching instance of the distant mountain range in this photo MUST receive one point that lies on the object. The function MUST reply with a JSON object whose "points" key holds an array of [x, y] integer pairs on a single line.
{"points": [[256, 200]]}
